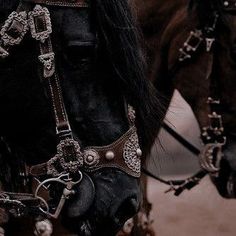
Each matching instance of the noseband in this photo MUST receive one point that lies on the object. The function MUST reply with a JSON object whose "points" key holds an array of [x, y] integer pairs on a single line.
{"points": [[70, 159]]}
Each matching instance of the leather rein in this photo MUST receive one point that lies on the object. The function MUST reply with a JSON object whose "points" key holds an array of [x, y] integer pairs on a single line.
{"points": [[70, 159]]}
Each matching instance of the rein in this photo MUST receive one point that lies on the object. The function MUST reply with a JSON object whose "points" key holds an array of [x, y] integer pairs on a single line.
{"points": [[71, 162]]}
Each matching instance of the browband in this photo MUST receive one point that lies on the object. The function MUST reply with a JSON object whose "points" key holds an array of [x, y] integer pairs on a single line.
{"points": [[61, 3]]}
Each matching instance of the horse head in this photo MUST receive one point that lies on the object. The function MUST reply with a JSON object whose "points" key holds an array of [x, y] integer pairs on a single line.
{"points": [[87, 82]]}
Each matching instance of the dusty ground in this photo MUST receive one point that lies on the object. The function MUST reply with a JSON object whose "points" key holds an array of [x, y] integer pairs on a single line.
{"points": [[199, 212]]}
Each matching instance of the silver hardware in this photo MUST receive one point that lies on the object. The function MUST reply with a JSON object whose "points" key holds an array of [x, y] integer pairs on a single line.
{"points": [[19, 22], [206, 159], [209, 43], [190, 45], [33, 15], [131, 114], [226, 3], [139, 152], [43, 228], [91, 157], [48, 62], [64, 179], [68, 156], [130, 156], [110, 155]]}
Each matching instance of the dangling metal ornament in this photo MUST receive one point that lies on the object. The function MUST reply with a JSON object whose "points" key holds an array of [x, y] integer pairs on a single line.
{"points": [[209, 43], [43, 228]]}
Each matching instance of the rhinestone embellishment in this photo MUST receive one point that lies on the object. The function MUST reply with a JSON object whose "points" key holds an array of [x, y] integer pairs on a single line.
{"points": [[130, 154]]}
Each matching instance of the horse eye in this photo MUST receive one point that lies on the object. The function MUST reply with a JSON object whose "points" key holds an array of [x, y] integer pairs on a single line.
{"points": [[76, 55]]}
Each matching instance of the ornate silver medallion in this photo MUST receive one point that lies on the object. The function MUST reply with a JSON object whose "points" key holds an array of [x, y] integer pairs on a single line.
{"points": [[91, 158], [132, 152]]}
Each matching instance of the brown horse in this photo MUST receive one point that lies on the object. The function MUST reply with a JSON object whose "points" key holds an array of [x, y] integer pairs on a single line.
{"points": [[197, 56]]}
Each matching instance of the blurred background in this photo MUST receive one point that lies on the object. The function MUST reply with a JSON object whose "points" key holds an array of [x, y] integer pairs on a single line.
{"points": [[200, 211]]}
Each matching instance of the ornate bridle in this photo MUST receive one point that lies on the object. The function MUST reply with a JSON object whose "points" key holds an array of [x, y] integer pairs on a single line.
{"points": [[70, 159]]}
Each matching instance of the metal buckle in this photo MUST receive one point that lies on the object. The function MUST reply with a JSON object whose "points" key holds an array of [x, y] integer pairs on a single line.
{"points": [[15, 28], [216, 123], [42, 16], [48, 63], [69, 157], [190, 45], [63, 179]]}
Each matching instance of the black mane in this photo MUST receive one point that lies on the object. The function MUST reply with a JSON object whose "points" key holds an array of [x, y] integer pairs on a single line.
{"points": [[117, 29]]}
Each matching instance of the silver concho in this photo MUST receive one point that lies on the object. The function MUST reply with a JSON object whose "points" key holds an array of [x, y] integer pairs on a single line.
{"points": [[91, 158], [130, 156], [17, 22], [69, 157], [43, 13]]}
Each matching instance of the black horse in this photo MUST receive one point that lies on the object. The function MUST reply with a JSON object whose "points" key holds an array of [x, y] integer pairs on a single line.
{"points": [[101, 70], [196, 55]]}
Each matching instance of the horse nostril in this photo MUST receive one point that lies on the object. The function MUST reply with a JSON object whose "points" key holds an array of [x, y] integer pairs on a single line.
{"points": [[126, 210]]}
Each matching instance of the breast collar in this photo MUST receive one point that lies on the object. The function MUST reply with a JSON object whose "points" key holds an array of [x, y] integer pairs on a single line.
{"points": [[124, 154]]}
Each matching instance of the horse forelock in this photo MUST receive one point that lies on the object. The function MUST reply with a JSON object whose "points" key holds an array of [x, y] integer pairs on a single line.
{"points": [[120, 36]]}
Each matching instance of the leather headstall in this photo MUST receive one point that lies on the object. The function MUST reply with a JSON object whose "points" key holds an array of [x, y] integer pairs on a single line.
{"points": [[124, 154]]}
